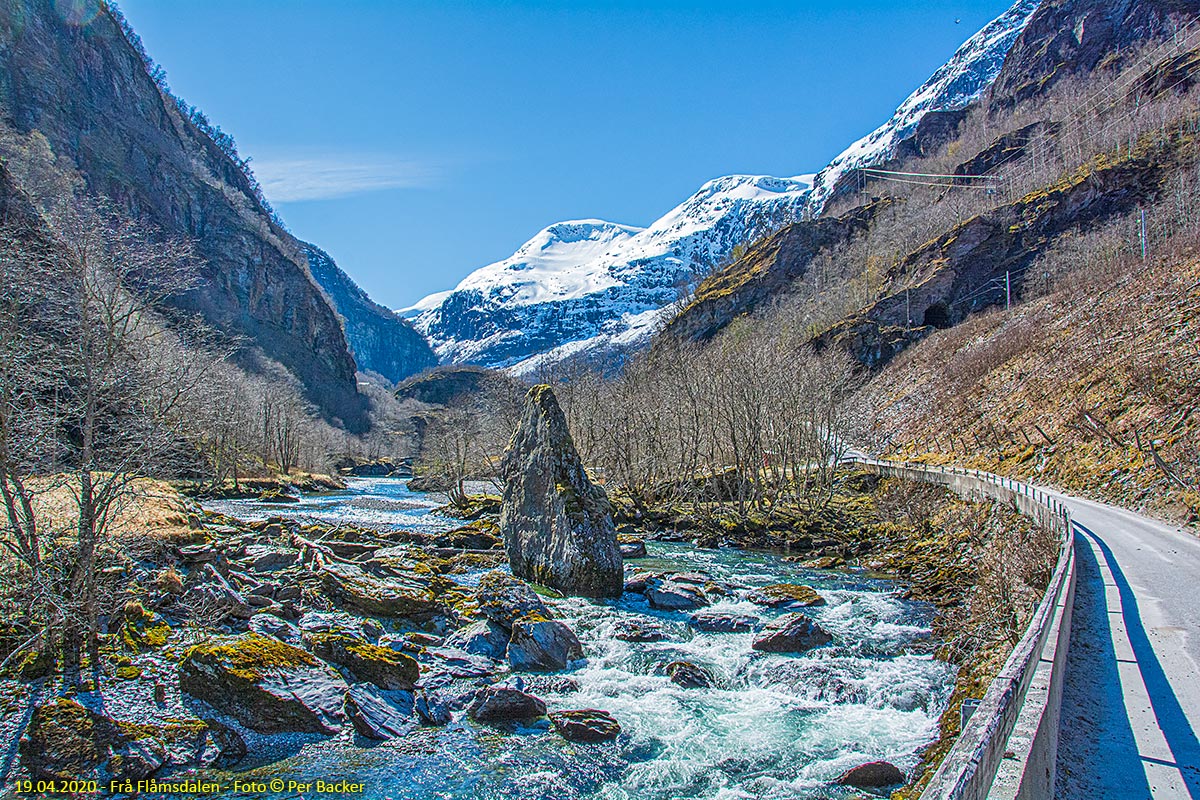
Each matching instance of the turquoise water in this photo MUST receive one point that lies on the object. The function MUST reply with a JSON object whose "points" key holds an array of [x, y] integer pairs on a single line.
{"points": [[776, 727]]}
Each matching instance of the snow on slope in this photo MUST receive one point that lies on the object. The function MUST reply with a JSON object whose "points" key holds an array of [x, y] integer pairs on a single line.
{"points": [[958, 83], [601, 283], [594, 287]]}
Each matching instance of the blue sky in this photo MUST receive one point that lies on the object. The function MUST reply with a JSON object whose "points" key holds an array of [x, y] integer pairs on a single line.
{"points": [[416, 141]]}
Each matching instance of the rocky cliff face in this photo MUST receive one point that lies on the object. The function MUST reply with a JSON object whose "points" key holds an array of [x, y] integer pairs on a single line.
{"points": [[557, 524], [1067, 38], [380, 340], [79, 80]]}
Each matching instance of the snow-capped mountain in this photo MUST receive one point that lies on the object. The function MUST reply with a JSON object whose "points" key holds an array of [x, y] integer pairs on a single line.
{"points": [[601, 284], [959, 82], [595, 287]]}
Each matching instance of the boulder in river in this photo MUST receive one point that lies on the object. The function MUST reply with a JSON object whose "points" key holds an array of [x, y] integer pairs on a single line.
{"points": [[631, 546], [505, 599], [542, 645], [635, 630], [267, 685], [504, 703], [671, 596], [724, 622], [786, 595], [792, 634], [557, 525], [688, 675], [484, 638], [66, 741], [875, 775], [585, 725]]}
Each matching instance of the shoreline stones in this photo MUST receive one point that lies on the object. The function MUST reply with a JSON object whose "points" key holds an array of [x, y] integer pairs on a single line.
{"points": [[267, 685], [380, 715], [382, 666], [504, 599], [66, 741], [556, 524], [375, 596], [795, 633]]}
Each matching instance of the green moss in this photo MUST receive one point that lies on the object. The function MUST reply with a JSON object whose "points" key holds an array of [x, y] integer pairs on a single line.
{"points": [[31, 664], [129, 673], [249, 656], [140, 629]]}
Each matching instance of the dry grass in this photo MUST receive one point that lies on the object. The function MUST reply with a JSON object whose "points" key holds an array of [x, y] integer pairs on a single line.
{"points": [[1094, 387], [148, 510]]}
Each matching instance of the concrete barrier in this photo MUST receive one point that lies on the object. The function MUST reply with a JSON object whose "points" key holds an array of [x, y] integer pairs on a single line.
{"points": [[1008, 747]]}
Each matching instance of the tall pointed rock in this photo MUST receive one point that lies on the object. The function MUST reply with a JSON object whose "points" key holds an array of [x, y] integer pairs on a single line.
{"points": [[557, 524]]}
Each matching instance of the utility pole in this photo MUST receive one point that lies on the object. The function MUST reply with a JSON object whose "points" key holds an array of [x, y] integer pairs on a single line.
{"points": [[1143, 234], [1008, 290]]}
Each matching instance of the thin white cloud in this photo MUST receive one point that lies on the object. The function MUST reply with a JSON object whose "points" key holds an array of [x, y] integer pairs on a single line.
{"points": [[288, 180]]}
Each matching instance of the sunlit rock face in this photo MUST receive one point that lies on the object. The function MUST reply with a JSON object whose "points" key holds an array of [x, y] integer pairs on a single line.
{"points": [[557, 524]]}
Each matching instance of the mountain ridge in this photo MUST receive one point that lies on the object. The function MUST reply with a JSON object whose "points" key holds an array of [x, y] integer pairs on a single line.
{"points": [[636, 288]]}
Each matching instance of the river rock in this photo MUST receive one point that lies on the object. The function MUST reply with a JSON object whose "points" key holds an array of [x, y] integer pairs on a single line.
{"points": [[66, 741], [550, 684], [461, 664], [635, 630], [270, 625], [267, 685], [792, 634], [631, 546], [688, 675], [504, 703], [485, 638], [382, 666], [361, 591], [875, 775], [504, 599], [671, 596], [378, 714], [724, 622], [585, 725], [542, 645], [786, 595], [206, 586], [265, 558], [638, 582], [557, 525]]}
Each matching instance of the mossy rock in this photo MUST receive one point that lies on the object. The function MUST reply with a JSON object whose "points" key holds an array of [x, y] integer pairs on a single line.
{"points": [[128, 673], [66, 741], [267, 685], [391, 597], [142, 629], [786, 594], [30, 665], [381, 666]]}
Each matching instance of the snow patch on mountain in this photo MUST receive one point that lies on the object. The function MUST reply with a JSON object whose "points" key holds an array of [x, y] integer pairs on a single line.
{"points": [[959, 82], [600, 283]]}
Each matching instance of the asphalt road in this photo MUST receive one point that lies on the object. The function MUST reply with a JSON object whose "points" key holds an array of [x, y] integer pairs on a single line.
{"points": [[1131, 701]]}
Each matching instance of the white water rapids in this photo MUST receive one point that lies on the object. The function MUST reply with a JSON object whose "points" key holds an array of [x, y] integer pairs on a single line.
{"points": [[775, 726]]}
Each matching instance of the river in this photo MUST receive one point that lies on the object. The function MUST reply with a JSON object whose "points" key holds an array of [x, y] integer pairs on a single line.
{"points": [[776, 726]]}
